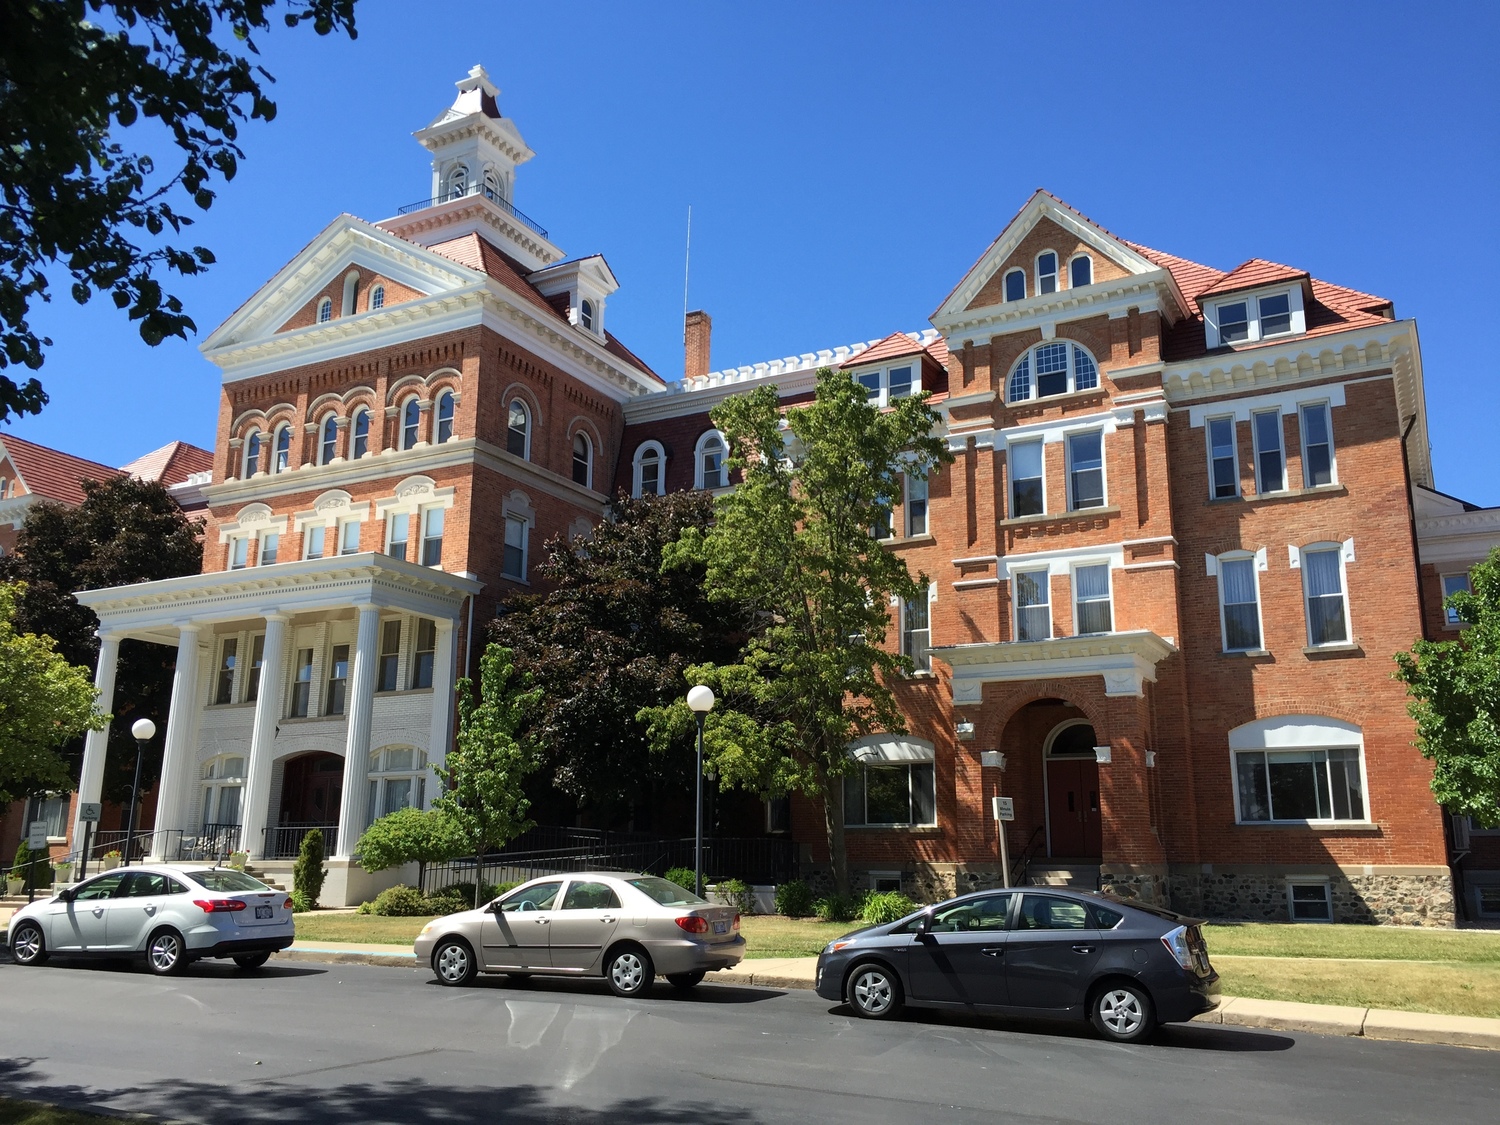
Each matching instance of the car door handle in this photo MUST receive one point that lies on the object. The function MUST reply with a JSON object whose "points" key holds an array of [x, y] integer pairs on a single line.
{"points": [[150, 910], [98, 912], [543, 921], [993, 951], [606, 918], [1083, 949]]}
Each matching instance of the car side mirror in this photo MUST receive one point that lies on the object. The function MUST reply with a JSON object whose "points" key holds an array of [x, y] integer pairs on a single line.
{"points": [[65, 895], [924, 923]]}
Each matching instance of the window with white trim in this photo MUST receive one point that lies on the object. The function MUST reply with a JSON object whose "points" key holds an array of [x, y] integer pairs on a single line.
{"points": [[224, 675], [916, 632], [1239, 602], [916, 505], [1086, 470], [257, 662], [1309, 901], [1027, 497], [891, 384], [1091, 603], [349, 537], [411, 424], [1046, 272], [647, 478], [1080, 271], [517, 532], [281, 458], [51, 811], [1234, 322], [359, 443], [397, 781], [325, 310], [1325, 590], [1223, 458], [423, 653], [1053, 368], [338, 680], [586, 314], [1033, 605], [398, 534], [223, 784], [432, 535], [891, 795], [1275, 313], [1248, 318], [583, 460], [442, 426], [708, 458], [377, 297], [1317, 444], [239, 552], [1299, 785], [518, 430], [270, 548], [302, 676], [328, 441], [1270, 459], [458, 182], [1015, 285], [252, 454], [1454, 584], [387, 670]]}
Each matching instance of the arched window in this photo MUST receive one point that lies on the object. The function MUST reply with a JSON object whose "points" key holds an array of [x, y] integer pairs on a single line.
{"points": [[396, 780], [1046, 272], [411, 424], [359, 440], [492, 186], [377, 297], [458, 182], [1015, 285], [1080, 272], [325, 310], [351, 292], [709, 457], [518, 433], [1053, 368], [583, 459], [328, 443], [281, 460], [443, 426], [648, 479], [252, 453], [586, 314], [223, 782]]}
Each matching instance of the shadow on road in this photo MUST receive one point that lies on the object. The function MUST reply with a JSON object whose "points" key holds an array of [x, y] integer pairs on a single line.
{"points": [[226, 969], [595, 986], [409, 1101]]}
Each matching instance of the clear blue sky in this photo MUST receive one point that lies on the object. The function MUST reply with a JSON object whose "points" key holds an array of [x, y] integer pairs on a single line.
{"points": [[846, 163]]}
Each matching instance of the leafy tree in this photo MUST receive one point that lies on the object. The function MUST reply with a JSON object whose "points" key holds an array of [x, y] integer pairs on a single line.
{"points": [[73, 74], [1454, 688], [410, 836], [793, 543], [483, 780], [615, 634], [44, 702], [125, 531]]}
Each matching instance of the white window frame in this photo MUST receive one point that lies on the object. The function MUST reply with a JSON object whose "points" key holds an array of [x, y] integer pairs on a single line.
{"points": [[1260, 317], [1234, 453], [308, 534], [446, 396], [382, 778], [525, 525], [586, 314], [1037, 274], [276, 435], [1292, 733], [882, 752], [1255, 559], [1005, 284], [254, 437], [1340, 550], [1333, 460], [239, 552], [261, 538], [926, 598], [882, 397], [588, 444], [1251, 300], [324, 456], [1109, 592], [914, 489], [392, 519], [423, 515], [1081, 256], [1449, 619], [343, 533], [1103, 468], [212, 783], [365, 413], [517, 400], [1033, 386], [412, 439], [325, 310], [636, 483], [1260, 484], [1320, 881], [1328, 822], [1010, 477], [698, 459], [1015, 601], [377, 298]]}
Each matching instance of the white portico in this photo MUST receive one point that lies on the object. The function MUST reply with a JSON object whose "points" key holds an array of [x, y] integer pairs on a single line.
{"points": [[287, 676]]}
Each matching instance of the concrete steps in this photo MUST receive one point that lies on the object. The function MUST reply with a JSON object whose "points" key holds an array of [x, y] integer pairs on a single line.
{"points": [[1052, 873]]}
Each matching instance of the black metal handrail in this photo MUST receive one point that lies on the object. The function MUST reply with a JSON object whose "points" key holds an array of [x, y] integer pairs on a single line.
{"points": [[212, 841], [477, 189], [1027, 854], [284, 841]]}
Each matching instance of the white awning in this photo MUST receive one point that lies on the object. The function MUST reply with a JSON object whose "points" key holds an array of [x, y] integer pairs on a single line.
{"points": [[1293, 732], [891, 748]]}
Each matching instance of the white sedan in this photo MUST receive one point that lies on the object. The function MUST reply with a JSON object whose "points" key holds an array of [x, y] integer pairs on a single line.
{"points": [[171, 915]]}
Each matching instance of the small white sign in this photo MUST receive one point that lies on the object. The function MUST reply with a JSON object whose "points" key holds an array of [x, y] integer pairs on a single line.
{"points": [[88, 811], [36, 839], [1004, 808]]}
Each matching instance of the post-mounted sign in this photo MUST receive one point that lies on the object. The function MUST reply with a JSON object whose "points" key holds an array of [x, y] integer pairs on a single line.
{"points": [[88, 811], [1004, 808]]}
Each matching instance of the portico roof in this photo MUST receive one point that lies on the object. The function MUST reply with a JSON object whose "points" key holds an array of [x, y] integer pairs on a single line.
{"points": [[156, 611], [1125, 660]]}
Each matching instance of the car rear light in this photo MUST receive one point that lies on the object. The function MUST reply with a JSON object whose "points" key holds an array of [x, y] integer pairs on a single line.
{"points": [[736, 919], [289, 904], [219, 905], [1176, 942], [693, 924]]}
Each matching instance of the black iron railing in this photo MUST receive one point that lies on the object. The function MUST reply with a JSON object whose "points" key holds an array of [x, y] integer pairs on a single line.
{"points": [[477, 189], [212, 841], [147, 842], [285, 840], [1023, 859]]}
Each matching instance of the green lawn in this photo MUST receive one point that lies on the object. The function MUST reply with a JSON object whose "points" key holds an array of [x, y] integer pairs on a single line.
{"points": [[1378, 943], [1447, 988], [34, 1113]]}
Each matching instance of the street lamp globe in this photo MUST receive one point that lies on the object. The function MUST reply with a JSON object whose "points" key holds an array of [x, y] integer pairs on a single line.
{"points": [[144, 730], [700, 699]]}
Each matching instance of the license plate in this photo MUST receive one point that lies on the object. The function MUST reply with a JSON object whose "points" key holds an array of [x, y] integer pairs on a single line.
{"points": [[263, 911], [721, 927]]}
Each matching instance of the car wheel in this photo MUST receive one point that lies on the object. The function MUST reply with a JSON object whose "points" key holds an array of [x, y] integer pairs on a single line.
{"points": [[685, 981], [874, 992], [629, 971], [453, 962], [1122, 1012], [28, 946], [166, 953], [251, 961]]}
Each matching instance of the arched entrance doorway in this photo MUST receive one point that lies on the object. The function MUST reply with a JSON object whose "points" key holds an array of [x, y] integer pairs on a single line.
{"points": [[1073, 819], [311, 787]]}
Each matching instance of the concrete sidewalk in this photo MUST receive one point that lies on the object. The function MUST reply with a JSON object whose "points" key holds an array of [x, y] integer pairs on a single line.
{"points": [[1277, 1015]]}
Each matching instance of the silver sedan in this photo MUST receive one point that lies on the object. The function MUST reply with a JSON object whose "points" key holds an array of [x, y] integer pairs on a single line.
{"points": [[626, 927]]}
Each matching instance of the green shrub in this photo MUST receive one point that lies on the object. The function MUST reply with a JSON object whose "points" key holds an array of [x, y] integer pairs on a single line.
{"points": [[401, 901], [308, 872], [35, 876], [365, 908], [883, 907], [300, 902], [794, 899], [837, 908], [737, 893], [682, 876]]}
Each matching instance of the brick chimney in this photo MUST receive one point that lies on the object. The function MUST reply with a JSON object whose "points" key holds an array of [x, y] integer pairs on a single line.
{"points": [[696, 329]]}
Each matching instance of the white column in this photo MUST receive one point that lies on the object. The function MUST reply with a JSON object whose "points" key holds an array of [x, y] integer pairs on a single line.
{"points": [[96, 745], [356, 796], [177, 754], [444, 660], [268, 705]]}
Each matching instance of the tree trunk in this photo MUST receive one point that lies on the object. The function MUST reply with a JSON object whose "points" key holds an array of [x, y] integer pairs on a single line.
{"points": [[833, 820]]}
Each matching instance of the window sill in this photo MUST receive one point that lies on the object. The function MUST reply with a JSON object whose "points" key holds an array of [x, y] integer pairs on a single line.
{"points": [[1333, 650], [909, 541], [1312, 825], [1287, 494], [1059, 517], [1049, 400], [904, 829], [295, 720], [1251, 652]]}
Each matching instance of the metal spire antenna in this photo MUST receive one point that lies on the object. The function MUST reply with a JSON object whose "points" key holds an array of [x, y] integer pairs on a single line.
{"points": [[687, 261]]}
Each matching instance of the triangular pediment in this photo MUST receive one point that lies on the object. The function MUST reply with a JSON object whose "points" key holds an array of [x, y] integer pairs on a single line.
{"points": [[1044, 223], [288, 302]]}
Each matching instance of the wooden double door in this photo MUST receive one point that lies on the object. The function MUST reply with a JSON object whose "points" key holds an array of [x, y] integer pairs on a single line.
{"points": [[1073, 818]]}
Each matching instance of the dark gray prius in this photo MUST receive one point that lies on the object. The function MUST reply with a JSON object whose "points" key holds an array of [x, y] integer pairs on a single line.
{"points": [[1029, 951]]}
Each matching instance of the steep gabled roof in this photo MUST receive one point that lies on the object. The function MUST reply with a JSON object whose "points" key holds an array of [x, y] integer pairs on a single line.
{"points": [[1252, 275], [894, 346], [1191, 277], [172, 464], [50, 473]]}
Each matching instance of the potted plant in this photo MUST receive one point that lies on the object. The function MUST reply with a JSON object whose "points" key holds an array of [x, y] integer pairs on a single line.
{"points": [[14, 885], [237, 860], [110, 860], [62, 872]]}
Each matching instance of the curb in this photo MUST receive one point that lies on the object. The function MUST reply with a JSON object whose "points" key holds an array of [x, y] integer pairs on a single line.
{"points": [[1233, 1011]]}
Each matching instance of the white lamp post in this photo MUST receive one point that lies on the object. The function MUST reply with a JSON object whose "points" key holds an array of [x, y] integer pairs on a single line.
{"points": [[701, 700], [144, 730]]}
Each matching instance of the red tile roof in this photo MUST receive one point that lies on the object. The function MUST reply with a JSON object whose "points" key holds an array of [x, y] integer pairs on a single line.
{"points": [[172, 464], [895, 345], [1253, 274], [1191, 277], [50, 473]]}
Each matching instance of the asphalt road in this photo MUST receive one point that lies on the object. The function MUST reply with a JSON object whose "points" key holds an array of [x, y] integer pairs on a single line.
{"points": [[356, 1043]]}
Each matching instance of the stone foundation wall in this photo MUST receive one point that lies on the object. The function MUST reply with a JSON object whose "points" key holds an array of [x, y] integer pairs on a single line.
{"points": [[1151, 887], [1405, 898]]}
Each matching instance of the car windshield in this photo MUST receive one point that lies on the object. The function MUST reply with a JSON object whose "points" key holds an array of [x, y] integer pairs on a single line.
{"points": [[226, 879], [665, 893]]}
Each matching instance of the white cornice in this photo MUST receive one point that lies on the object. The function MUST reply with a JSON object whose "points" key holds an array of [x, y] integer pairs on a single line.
{"points": [[1466, 537], [1107, 298], [1125, 661], [455, 218], [13, 510]]}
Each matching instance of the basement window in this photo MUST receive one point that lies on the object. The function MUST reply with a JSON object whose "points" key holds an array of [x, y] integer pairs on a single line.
{"points": [[1309, 901]]}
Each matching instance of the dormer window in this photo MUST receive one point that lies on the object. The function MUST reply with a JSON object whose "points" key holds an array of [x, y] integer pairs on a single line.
{"points": [[1046, 272], [492, 185], [1054, 368], [891, 384], [586, 314], [1275, 315], [1250, 318], [1234, 322], [1080, 272], [458, 182], [1015, 285]]}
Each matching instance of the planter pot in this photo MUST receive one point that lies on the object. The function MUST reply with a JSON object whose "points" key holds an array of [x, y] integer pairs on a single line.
{"points": [[14, 887], [109, 863]]}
